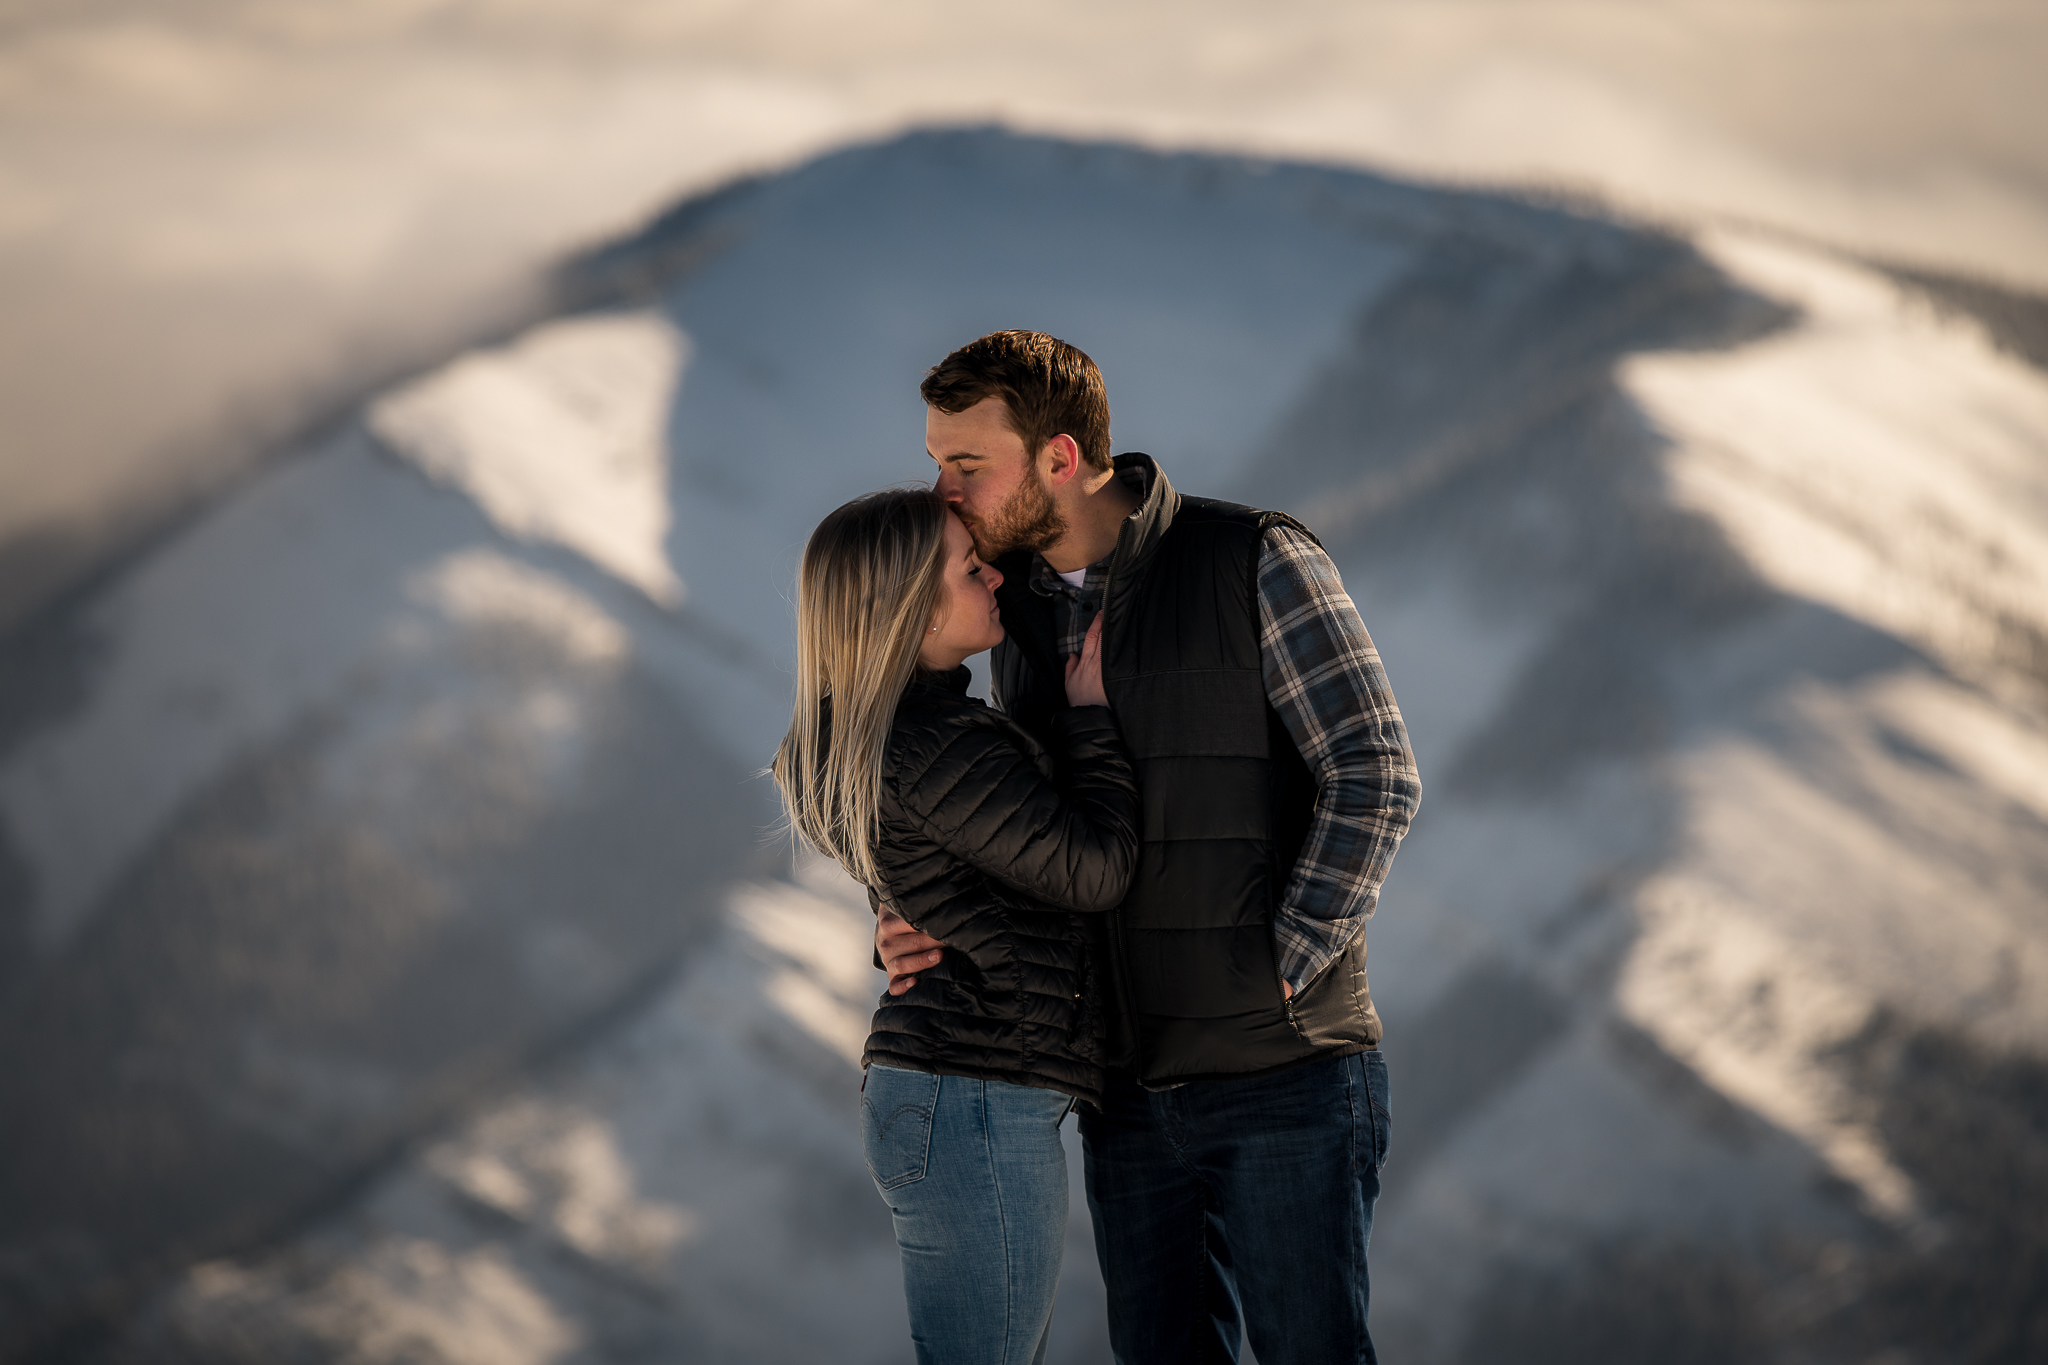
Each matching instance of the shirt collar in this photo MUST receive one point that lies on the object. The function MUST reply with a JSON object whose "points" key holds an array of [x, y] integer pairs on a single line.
{"points": [[1045, 580]]}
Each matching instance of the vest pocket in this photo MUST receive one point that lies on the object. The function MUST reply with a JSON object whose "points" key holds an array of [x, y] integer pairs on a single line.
{"points": [[896, 1124], [1335, 1008]]}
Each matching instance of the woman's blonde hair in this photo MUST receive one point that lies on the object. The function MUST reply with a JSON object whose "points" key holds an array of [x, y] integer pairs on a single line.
{"points": [[870, 584]]}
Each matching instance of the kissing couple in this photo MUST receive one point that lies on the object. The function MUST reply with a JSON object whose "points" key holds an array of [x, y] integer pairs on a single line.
{"points": [[1132, 886]]}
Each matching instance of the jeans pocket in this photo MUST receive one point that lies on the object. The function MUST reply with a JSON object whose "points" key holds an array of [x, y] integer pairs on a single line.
{"points": [[1379, 1098], [896, 1124]]}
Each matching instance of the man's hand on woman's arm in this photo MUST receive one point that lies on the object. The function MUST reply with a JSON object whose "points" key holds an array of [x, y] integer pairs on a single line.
{"points": [[904, 951]]}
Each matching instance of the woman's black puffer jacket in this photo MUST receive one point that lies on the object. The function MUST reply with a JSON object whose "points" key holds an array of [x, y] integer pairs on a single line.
{"points": [[990, 845]]}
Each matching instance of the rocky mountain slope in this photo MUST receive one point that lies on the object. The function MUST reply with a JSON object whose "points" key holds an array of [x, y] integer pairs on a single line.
{"points": [[401, 965]]}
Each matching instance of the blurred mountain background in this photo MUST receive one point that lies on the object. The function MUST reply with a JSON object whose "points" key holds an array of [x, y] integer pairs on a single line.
{"points": [[414, 411]]}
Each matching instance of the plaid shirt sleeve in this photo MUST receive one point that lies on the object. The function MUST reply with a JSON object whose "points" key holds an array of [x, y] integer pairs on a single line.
{"points": [[1324, 678]]}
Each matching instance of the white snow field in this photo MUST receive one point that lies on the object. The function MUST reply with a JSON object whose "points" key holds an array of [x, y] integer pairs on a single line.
{"points": [[402, 966]]}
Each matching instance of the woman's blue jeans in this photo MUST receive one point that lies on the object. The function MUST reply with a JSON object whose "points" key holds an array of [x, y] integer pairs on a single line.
{"points": [[977, 1180]]}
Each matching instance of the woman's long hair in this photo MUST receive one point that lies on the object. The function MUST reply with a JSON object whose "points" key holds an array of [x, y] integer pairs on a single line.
{"points": [[870, 583]]}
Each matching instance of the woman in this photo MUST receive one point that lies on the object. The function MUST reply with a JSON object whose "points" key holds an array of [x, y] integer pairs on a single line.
{"points": [[954, 816]]}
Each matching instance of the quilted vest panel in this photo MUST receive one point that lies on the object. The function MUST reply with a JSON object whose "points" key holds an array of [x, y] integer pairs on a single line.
{"points": [[1227, 799]]}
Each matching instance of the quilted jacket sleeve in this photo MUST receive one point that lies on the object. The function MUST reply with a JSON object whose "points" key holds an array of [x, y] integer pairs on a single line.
{"points": [[1073, 843]]}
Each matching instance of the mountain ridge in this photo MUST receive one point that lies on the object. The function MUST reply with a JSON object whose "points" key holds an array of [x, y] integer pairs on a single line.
{"points": [[1650, 961]]}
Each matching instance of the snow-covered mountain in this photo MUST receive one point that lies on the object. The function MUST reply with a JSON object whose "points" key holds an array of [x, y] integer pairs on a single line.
{"points": [[401, 965]]}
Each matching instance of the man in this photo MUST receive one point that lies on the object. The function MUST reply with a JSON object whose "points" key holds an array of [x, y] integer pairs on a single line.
{"points": [[1234, 1168]]}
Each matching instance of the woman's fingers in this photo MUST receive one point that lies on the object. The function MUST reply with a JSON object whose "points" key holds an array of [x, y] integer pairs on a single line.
{"points": [[1091, 648], [1084, 670]]}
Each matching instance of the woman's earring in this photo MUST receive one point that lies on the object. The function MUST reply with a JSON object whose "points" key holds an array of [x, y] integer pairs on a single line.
{"points": [[935, 630]]}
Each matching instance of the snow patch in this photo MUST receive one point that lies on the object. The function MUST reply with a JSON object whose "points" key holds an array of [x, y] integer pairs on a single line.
{"points": [[1876, 458], [559, 437], [712, 1137], [407, 1298]]}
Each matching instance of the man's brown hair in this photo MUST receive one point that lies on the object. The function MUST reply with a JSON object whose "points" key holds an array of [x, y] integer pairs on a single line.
{"points": [[1049, 388]]}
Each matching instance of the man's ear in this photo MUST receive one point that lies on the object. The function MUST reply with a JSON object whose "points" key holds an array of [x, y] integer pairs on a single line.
{"points": [[1062, 455]]}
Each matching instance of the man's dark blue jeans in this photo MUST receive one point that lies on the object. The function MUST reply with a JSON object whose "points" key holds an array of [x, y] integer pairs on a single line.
{"points": [[1228, 1201]]}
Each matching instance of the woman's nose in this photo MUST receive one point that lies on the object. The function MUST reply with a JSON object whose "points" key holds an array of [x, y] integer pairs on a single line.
{"points": [[995, 580]]}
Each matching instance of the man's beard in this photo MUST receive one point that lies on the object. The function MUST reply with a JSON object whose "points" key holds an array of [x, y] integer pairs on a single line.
{"points": [[1028, 520]]}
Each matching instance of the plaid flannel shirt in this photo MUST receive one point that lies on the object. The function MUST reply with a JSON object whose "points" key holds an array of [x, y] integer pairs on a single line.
{"points": [[1324, 678]]}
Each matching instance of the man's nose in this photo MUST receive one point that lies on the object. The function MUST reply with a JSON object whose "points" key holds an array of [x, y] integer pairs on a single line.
{"points": [[945, 486]]}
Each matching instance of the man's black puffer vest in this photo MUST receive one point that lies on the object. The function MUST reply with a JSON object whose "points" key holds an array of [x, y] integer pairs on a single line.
{"points": [[1227, 799], [991, 844]]}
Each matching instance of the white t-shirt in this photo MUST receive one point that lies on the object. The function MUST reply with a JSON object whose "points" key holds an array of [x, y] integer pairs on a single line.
{"points": [[1074, 579]]}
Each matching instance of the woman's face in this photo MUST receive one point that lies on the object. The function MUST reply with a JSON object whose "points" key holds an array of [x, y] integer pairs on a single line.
{"points": [[966, 621]]}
